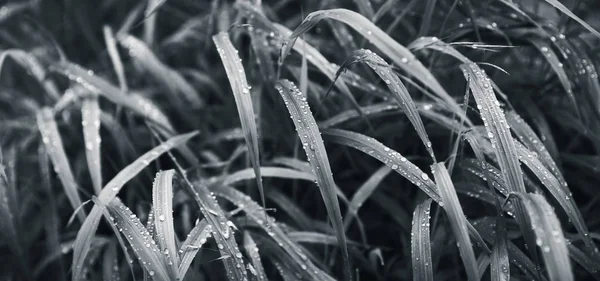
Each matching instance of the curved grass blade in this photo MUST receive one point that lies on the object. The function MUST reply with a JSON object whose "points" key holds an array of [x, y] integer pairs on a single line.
{"points": [[310, 136], [458, 222], [567, 12], [192, 244], [549, 235], [115, 58], [34, 67], [54, 146], [241, 92], [400, 55], [108, 193], [142, 244], [400, 93], [363, 193], [252, 251], [162, 202], [90, 120], [161, 72], [421, 243]]}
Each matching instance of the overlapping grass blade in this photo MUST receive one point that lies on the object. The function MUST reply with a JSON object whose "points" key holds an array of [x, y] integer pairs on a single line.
{"points": [[192, 244], [289, 207], [90, 120], [363, 193], [162, 202], [567, 12], [549, 235], [241, 92], [310, 136], [142, 244], [115, 58], [55, 148], [170, 78], [252, 250], [109, 192], [399, 91], [421, 243], [500, 264], [33, 66], [458, 222], [400, 55]]}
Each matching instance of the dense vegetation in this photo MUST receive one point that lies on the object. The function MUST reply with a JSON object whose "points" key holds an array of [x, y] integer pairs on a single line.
{"points": [[429, 139]]}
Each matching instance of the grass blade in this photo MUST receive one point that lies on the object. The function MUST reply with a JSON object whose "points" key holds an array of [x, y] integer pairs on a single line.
{"points": [[162, 202], [90, 120], [310, 136], [421, 243], [567, 12], [241, 92], [34, 67], [363, 193], [115, 58], [458, 222], [252, 251], [55, 148], [108, 193], [192, 244]]}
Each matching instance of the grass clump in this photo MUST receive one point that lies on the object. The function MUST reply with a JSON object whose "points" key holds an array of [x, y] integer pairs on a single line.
{"points": [[122, 110]]}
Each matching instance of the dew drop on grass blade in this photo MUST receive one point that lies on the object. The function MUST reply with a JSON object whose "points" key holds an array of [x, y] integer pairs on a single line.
{"points": [[90, 121], [137, 236], [197, 237], [421, 243], [162, 202], [310, 136], [54, 146], [243, 100], [458, 222], [255, 267], [399, 91], [399, 54], [83, 240], [549, 235]]}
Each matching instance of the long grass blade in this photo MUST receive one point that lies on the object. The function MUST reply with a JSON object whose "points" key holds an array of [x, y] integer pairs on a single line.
{"points": [[108, 193], [310, 136], [162, 201], [192, 244], [458, 222], [115, 58], [421, 243], [241, 92], [567, 12], [252, 251], [90, 120], [55, 148], [363, 193], [33, 66]]}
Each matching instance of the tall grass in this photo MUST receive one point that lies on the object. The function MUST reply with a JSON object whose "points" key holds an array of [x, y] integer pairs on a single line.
{"points": [[171, 119]]}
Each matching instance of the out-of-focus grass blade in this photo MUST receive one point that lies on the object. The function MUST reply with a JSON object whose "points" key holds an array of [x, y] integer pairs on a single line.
{"points": [[458, 222], [253, 212], [33, 66], [161, 72], [150, 20], [291, 208], [400, 93], [115, 58], [192, 244], [567, 12], [365, 8], [399, 54], [98, 85], [363, 193], [54, 146], [90, 120], [549, 235], [110, 262], [421, 244], [252, 250], [162, 202], [144, 247], [108, 193], [310, 136], [241, 92]]}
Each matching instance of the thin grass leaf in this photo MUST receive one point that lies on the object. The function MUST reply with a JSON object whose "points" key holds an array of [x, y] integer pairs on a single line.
{"points": [[108, 193], [310, 136], [192, 244], [400, 93], [363, 193], [142, 244], [400, 55], [458, 222], [110, 262], [162, 202], [365, 8], [170, 78], [566, 11], [500, 264], [150, 20], [421, 243], [549, 235], [115, 58], [55, 148], [252, 250], [34, 68], [90, 120], [291, 208]]}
